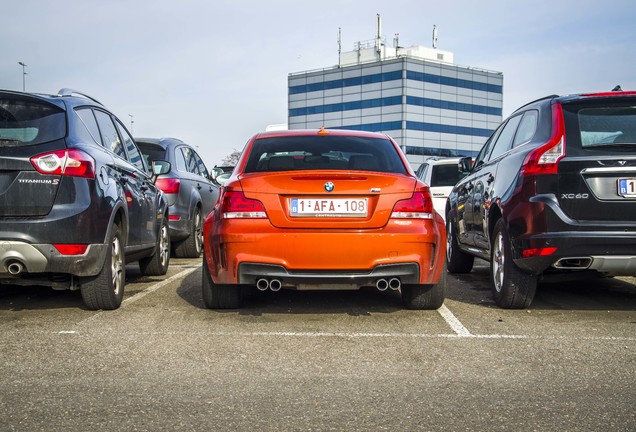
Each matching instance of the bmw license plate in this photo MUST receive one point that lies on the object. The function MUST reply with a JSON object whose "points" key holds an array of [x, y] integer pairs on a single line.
{"points": [[332, 207], [627, 187]]}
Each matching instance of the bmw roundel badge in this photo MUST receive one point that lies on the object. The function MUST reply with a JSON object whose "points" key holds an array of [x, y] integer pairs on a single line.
{"points": [[329, 186]]}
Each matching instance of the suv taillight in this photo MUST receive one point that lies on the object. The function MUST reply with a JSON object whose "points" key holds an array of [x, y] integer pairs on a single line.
{"points": [[71, 162], [419, 206], [545, 159], [234, 205], [169, 185]]}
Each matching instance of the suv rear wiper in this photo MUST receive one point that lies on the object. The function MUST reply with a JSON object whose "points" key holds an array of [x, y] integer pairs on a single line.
{"points": [[619, 145], [9, 140]]}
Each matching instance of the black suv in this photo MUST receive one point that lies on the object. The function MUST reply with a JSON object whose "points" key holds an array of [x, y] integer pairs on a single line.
{"points": [[77, 201], [189, 188], [553, 190]]}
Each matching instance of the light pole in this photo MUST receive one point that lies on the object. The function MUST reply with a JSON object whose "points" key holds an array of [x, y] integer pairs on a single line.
{"points": [[131, 123], [24, 73]]}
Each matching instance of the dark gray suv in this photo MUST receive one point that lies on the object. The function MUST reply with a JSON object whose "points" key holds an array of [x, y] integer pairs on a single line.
{"points": [[77, 200], [189, 188], [552, 194]]}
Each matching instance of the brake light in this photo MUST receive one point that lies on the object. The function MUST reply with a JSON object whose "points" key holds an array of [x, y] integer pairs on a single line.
{"points": [[419, 206], [545, 159], [71, 162], [71, 249], [234, 205], [169, 185]]}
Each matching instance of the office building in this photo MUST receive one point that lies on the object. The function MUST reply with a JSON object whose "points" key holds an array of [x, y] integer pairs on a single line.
{"points": [[417, 95]]}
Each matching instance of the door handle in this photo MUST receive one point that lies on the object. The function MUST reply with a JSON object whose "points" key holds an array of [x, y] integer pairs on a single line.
{"points": [[490, 179], [198, 186]]}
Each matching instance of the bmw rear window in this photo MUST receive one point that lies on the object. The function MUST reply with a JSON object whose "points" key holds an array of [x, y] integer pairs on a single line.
{"points": [[343, 153], [28, 122], [601, 126]]}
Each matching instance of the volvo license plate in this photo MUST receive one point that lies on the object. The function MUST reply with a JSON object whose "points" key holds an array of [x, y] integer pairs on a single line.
{"points": [[627, 187], [333, 207]]}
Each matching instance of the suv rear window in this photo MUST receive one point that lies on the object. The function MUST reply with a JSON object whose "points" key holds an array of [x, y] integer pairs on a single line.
{"points": [[601, 126], [29, 122], [324, 153], [445, 175], [151, 152]]}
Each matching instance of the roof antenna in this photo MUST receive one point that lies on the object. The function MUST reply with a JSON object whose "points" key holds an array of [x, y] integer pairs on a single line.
{"points": [[434, 36], [617, 88]]}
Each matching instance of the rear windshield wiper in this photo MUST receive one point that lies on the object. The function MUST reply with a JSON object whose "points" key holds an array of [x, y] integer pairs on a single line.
{"points": [[613, 145], [9, 140]]}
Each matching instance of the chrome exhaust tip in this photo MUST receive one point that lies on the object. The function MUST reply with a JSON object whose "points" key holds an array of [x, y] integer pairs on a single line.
{"points": [[15, 268], [275, 285], [573, 263], [262, 284], [382, 284], [395, 284]]}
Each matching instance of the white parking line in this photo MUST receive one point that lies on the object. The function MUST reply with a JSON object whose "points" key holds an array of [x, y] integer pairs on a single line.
{"points": [[155, 287], [182, 274], [453, 322]]}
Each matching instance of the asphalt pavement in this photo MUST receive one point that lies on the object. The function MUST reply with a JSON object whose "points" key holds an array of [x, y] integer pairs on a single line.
{"points": [[319, 360]]}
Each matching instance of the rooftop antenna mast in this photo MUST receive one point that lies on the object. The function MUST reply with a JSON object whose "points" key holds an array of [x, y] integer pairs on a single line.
{"points": [[339, 44], [434, 36], [378, 41]]}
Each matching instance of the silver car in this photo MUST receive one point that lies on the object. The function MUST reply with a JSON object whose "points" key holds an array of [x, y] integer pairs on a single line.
{"points": [[190, 190]]}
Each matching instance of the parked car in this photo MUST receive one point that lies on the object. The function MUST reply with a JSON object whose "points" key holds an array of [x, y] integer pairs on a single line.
{"points": [[441, 174], [77, 200], [553, 190], [190, 190], [324, 210]]}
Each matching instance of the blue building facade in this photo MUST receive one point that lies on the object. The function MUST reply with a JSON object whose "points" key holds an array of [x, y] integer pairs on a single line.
{"points": [[429, 107]]}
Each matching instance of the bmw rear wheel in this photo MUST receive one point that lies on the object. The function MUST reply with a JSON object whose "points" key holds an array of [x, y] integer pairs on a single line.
{"points": [[217, 296], [512, 287], [425, 297]]}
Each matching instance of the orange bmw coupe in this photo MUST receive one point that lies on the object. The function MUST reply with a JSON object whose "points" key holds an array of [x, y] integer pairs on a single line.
{"points": [[327, 209]]}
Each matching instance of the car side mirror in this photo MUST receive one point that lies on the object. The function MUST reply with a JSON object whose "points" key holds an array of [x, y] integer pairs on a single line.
{"points": [[465, 165], [160, 167], [221, 179]]}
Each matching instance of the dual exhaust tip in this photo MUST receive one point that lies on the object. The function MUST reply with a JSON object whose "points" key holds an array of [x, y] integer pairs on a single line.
{"points": [[275, 284], [383, 284], [264, 284]]}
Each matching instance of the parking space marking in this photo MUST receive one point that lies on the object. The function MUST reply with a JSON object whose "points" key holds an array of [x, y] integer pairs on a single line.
{"points": [[182, 274], [155, 287], [453, 322]]}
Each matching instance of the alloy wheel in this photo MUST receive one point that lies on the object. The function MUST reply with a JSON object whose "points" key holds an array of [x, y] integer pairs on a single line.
{"points": [[498, 262], [116, 265]]}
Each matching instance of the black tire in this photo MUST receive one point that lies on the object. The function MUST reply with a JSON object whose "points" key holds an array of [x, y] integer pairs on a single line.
{"points": [[456, 260], [192, 246], [106, 290], [425, 297], [157, 264], [512, 287], [218, 296]]}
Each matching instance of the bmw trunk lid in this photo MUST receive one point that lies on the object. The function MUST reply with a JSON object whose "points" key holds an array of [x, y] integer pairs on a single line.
{"points": [[328, 199]]}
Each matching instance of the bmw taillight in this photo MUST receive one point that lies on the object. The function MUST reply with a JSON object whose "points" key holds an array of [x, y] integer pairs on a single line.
{"points": [[234, 205], [545, 159], [419, 206], [168, 185], [71, 162]]}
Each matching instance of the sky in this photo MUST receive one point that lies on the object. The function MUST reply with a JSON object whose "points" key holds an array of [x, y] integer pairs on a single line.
{"points": [[214, 73]]}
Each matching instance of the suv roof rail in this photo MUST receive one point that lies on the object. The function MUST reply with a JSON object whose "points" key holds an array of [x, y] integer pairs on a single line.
{"points": [[71, 92]]}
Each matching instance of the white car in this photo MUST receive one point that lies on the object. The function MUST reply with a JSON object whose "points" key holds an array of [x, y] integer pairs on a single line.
{"points": [[441, 174]]}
